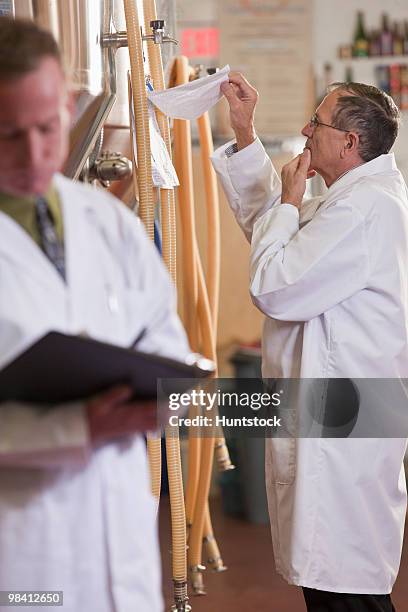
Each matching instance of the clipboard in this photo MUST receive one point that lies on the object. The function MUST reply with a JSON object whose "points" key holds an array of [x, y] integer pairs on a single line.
{"points": [[61, 368]]}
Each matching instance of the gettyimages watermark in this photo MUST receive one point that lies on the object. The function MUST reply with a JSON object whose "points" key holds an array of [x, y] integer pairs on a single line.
{"points": [[212, 402], [302, 408]]}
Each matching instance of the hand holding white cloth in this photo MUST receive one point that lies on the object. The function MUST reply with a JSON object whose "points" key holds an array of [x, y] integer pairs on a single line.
{"points": [[191, 100]]}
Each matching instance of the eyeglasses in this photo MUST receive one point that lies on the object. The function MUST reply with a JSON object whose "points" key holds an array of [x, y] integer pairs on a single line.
{"points": [[314, 122]]}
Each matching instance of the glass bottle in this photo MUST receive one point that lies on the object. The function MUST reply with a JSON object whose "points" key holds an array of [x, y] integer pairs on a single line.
{"points": [[382, 74], [395, 83], [397, 39], [404, 87], [348, 75], [405, 43], [374, 45], [385, 36], [360, 44]]}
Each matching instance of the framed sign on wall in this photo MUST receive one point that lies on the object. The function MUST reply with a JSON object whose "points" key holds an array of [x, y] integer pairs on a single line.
{"points": [[270, 42]]}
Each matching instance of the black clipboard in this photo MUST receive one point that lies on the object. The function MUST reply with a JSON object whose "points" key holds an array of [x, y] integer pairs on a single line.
{"points": [[62, 368]]}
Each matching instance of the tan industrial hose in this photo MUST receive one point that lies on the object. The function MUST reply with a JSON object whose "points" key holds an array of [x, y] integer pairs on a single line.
{"points": [[168, 221], [193, 473], [213, 281], [207, 448], [185, 194], [213, 254], [167, 198], [144, 179], [178, 516], [213, 216], [200, 452], [144, 163], [213, 555], [183, 162]]}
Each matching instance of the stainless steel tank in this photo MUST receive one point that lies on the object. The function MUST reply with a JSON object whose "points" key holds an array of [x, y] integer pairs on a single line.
{"points": [[78, 26], [98, 73]]}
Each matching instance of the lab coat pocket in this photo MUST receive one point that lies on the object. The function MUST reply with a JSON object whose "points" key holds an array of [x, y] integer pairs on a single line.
{"points": [[282, 452], [282, 460], [281, 445]]}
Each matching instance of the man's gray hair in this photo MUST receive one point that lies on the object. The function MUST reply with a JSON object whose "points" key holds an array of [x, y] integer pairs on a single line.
{"points": [[369, 112]]}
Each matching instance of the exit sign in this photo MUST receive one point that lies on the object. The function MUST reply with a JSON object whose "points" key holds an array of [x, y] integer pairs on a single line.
{"points": [[200, 42]]}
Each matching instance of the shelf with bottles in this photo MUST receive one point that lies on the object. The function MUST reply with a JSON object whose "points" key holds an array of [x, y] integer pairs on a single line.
{"points": [[380, 60], [388, 75], [387, 43], [377, 57]]}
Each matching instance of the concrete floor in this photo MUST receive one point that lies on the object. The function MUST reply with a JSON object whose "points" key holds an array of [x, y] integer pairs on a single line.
{"points": [[251, 583]]}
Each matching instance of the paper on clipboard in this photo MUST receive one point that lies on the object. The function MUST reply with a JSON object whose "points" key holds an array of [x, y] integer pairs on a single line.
{"points": [[163, 172]]}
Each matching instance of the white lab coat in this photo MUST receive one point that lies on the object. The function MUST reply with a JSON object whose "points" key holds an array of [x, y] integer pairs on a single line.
{"points": [[72, 518], [333, 285]]}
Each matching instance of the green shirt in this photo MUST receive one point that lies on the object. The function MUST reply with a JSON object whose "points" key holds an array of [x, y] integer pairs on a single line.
{"points": [[22, 210]]}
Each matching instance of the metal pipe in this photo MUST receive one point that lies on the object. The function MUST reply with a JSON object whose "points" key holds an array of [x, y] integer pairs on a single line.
{"points": [[115, 40]]}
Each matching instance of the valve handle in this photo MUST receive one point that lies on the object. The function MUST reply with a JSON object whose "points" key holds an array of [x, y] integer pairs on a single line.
{"points": [[157, 24]]}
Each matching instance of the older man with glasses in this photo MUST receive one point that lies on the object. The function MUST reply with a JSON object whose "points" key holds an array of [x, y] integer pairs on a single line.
{"points": [[330, 274]]}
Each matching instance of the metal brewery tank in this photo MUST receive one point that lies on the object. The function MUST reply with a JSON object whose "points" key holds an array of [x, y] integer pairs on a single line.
{"points": [[78, 26], [98, 73]]}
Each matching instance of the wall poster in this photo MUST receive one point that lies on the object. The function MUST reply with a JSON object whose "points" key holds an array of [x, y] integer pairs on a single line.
{"points": [[270, 42]]}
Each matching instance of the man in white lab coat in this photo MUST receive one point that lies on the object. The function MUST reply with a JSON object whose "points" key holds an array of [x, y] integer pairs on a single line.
{"points": [[76, 512], [330, 274]]}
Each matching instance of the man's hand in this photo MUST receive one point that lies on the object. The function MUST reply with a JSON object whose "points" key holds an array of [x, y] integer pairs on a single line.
{"points": [[242, 99], [112, 415], [294, 175]]}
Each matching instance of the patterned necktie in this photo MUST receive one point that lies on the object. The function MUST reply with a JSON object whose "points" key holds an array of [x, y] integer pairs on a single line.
{"points": [[51, 244]]}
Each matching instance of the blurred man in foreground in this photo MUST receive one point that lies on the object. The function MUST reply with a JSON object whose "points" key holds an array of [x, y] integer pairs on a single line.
{"points": [[76, 512]]}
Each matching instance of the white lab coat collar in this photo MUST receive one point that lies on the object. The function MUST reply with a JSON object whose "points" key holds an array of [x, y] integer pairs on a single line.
{"points": [[378, 165], [78, 252]]}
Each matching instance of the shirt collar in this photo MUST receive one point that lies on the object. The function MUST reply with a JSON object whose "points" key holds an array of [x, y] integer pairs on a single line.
{"points": [[7, 200]]}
